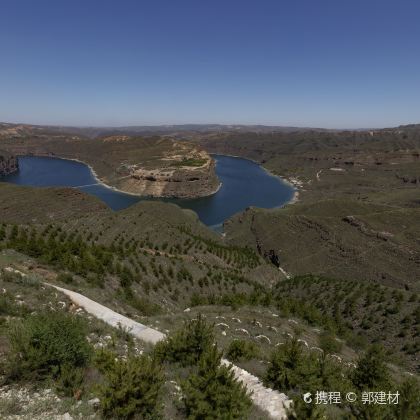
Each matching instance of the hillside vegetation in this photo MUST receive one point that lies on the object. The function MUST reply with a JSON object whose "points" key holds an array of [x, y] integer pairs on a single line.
{"points": [[322, 294]]}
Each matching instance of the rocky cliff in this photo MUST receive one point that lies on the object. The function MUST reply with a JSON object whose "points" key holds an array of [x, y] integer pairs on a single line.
{"points": [[188, 176], [8, 164]]}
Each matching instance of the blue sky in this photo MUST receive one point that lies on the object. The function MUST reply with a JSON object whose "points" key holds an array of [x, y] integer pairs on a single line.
{"points": [[324, 63]]}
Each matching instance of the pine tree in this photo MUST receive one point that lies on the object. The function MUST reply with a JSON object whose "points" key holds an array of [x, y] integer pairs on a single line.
{"points": [[132, 389], [212, 392], [371, 371]]}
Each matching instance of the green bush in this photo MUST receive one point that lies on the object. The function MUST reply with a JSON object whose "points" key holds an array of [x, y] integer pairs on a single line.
{"points": [[287, 369], [41, 345], [212, 392], [104, 360], [142, 305], [132, 389], [65, 278], [70, 380], [329, 344], [242, 350], [301, 410], [8, 307], [409, 406], [292, 368], [371, 372], [186, 345]]}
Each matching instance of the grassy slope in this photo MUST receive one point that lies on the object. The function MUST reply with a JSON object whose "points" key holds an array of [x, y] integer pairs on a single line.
{"points": [[168, 253], [342, 238]]}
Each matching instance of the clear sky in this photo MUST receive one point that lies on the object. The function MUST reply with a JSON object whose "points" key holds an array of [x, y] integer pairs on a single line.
{"points": [[324, 63]]}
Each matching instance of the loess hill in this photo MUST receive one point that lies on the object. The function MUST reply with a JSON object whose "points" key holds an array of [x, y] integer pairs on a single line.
{"points": [[358, 215], [339, 269]]}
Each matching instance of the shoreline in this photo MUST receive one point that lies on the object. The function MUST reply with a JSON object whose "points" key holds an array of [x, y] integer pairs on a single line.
{"points": [[295, 198], [99, 181], [296, 191]]}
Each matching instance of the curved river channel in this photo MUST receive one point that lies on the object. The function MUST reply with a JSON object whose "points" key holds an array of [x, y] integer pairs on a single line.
{"points": [[244, 184]]}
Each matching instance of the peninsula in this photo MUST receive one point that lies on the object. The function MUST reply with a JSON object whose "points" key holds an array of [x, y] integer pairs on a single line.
{"points": [[144, 166]]}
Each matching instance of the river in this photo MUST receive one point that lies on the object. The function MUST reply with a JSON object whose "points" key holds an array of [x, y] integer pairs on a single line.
{"points": [[244, 184]]}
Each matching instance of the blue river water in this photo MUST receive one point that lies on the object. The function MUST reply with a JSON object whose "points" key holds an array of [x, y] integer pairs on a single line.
{"points": [[244, 184]]}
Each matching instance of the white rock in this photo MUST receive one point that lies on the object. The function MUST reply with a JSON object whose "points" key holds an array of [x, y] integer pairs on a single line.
{"points": [[242, 330], [264, 337], [335, 356], [94, 402]]}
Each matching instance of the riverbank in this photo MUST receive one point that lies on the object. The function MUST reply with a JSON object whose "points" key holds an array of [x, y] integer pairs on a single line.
{"points": [[292, 182], [242, 184], [102, 183]]}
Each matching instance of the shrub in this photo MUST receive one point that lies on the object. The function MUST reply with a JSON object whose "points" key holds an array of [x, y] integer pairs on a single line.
{"points": [[104, 360], [70, 381], [187, 345], [409, 406], [142, 305], [301, 410], [287, 366], [41, 345], [212, 392], [7, 306], [329, 344], [132, 389], [242, 350], [65, 278], [292, 368], [371, 371]]}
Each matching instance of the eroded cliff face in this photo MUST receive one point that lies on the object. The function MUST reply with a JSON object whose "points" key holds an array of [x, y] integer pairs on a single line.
{"points": [[184, 176], [8, 164]]}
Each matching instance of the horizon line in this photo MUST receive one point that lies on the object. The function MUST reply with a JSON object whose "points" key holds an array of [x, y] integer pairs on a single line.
{"points": [[307, 127]]}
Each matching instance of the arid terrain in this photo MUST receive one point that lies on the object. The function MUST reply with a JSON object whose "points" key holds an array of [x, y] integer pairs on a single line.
{"points": [[331, 274]]}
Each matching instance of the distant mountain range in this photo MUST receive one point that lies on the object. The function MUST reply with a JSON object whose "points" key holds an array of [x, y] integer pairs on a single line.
{"points": [[175, 129]]}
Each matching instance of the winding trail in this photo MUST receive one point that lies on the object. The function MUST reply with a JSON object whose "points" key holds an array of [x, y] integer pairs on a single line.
{"points": [[269, 400]]}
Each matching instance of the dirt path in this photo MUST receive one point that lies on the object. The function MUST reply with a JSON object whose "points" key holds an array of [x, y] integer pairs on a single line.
{"points": [[273, 402]]}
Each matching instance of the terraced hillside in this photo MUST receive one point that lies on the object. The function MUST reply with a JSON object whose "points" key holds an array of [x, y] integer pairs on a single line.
{"points": [[347, 239], [359, 211], [151, 249]]}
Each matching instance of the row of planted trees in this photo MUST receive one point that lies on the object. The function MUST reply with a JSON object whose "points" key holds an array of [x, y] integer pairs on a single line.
{"points": [[53, 347]]}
